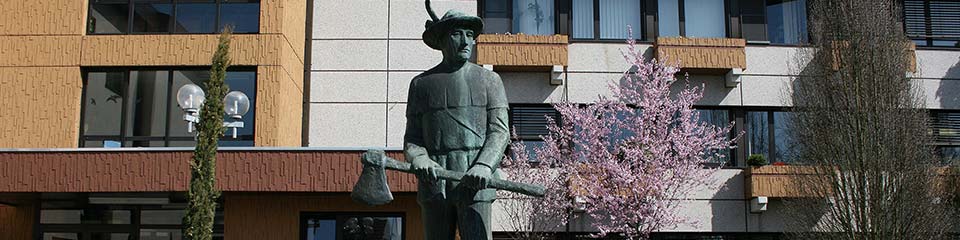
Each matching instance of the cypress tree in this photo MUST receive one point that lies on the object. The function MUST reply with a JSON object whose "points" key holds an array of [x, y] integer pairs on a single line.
{"points": [[202, 195]]}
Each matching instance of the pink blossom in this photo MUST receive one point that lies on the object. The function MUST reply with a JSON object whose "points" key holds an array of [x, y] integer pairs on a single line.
{"points": [[630, 159]]}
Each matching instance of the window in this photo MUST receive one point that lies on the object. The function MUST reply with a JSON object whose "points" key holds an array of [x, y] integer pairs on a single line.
{"points": [[945, 131], [607, 19], [323, 226], [529, 121], [707, 18], [719, 118], [774, 21], [172, 16], [769, 134], [932, 23], [532, 17], [138, 108], [94, 216]]}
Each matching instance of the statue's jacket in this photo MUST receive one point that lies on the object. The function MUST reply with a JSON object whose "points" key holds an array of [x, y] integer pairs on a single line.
{"points": [[458, 119]]}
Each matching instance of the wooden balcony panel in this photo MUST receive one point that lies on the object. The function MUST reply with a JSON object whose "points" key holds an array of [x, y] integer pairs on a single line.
{"points": [[775, 181], [522, 50], [703, 53]]}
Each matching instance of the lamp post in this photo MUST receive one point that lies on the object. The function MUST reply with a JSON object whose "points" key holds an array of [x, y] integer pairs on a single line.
{"points": [[190, 97]]}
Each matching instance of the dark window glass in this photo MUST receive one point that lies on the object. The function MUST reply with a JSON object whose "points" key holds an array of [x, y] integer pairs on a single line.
{"points": [[109, 236], [60, 236], [108, 16], [787, 21], [783, 137], [103, 101], [616, 16], [160, 234], [146, 107], [758, 134], [149, 115], [195, 17], [152, 16], [933, 22], [753, 20], [533, 17], [352, 226], [496, 16], [583, 20], [770, 131], [243, 15]]}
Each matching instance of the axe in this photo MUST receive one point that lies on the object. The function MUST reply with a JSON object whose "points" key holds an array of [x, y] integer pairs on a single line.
{"points": [[372, 188]]}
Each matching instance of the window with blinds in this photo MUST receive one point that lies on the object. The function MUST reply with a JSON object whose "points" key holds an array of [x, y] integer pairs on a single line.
{"points": [[932, 23], [945, 128], [530, 121]]}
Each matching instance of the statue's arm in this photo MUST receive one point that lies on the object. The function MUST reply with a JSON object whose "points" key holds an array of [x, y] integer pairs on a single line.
{"points": [[413, 137], [498, 130]]}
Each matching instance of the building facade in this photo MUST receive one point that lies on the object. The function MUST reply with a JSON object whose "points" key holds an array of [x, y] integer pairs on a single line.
{"points": [[93, 146]]}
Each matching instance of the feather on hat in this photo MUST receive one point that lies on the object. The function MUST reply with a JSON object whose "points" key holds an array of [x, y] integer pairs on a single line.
{"points": [[437, 28]]}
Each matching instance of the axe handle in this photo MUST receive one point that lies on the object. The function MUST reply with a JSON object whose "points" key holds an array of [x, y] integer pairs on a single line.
{"points": [[522, 188]]}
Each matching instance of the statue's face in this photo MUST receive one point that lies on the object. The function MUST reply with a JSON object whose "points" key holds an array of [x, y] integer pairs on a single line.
{"points": [[459, 44]]}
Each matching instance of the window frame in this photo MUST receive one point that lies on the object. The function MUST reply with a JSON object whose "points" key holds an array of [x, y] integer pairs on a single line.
{"points": [[928, 29], [304, 216], [171, 92], [771, 143], [170, 23], [83, 230], [562, 25], [681, 15]]}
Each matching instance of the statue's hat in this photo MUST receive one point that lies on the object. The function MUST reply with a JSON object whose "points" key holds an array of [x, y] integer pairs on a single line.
{"points": [[437, 28]]}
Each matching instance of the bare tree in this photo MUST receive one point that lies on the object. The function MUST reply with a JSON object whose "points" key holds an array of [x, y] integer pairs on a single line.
{"points": [[861, 126]]}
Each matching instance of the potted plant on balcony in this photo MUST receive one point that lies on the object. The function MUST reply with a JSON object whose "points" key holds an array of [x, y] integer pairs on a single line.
{"points": [[756, 160]]}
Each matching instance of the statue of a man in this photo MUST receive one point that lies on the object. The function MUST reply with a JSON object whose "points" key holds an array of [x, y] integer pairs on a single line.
{"points": [[456, 120]]}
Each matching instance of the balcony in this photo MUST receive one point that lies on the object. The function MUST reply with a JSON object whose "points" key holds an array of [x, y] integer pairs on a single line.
{"points": [[705, 55], [521, 52], [774, 181]]}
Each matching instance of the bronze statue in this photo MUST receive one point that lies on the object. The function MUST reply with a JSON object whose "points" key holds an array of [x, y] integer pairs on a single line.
{"points": [[456, 120], [455, 138]]}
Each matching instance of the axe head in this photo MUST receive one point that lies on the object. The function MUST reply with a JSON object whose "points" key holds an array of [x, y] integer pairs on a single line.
{"points": [[372, 188]]}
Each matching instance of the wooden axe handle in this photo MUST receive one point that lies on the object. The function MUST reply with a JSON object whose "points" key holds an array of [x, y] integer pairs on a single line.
{"points": [[522, 188]]}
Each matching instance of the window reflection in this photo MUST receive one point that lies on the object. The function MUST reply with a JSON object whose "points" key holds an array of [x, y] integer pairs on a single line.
{"points": [[243, 15], [108, 16], [195, 17], [719, 118], [787, 21], [151, 17], [496, 16], [758, 134], [138, 108], [533, 17], [353, 227], [771, 131], [783, 136]]}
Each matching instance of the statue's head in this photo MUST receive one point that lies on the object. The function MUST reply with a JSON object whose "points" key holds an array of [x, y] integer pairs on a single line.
{"points": [[454, 34]]}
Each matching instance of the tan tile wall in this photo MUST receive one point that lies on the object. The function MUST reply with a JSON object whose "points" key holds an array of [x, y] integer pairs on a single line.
{"points": [[43, 46], [522, 50], [703, 53]]}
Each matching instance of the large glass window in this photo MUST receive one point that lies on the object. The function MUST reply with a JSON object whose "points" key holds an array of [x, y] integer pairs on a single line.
{"points": [[787, 21], [699, 18], [533, 17], [138, 108], [172, 16], [933, 23], [108, 216], [945, 131], [608, 19], [719, 118], [769, 134], [324, 226]]}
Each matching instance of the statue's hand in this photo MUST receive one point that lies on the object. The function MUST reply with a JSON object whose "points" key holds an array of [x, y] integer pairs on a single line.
{"points": [[425, 168], [476, 178]]}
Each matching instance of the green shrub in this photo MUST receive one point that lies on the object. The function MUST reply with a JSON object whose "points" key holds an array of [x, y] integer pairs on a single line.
{"points": [[756, 160]]}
